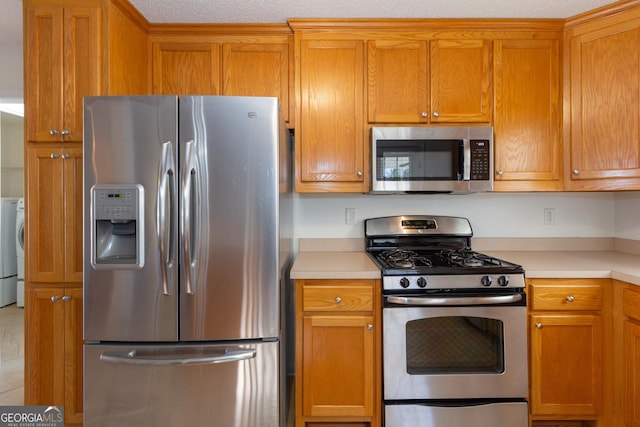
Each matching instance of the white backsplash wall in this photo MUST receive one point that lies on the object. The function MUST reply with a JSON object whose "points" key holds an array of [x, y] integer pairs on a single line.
{"points": [[491, 214], [627, 215]]}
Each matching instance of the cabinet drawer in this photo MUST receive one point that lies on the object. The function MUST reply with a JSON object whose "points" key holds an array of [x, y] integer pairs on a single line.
{"points": [[337, 298], [631, 305], [565, 297]]}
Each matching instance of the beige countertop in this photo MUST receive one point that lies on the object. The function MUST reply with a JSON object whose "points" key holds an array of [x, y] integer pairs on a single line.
{"points": [[323, 261]]}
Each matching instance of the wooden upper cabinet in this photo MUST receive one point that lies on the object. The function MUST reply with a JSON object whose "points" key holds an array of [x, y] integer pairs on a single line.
{"points": [[460, 81], [527, 119], [186, 68], [62, 55], [330, 145], [397, 84], [603, 63], [437, 81]]}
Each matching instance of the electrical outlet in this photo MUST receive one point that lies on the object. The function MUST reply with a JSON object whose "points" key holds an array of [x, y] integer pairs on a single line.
{"points": [[549, 216], [350, 216]]}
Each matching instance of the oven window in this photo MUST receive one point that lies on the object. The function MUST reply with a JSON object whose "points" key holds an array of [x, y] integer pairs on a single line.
{"points": [[455, 344]]}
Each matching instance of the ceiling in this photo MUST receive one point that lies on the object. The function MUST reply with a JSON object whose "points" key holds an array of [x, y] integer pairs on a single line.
{"points": [[277, 11]]}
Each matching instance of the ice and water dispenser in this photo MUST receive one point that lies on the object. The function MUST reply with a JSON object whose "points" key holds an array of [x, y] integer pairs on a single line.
{"points": [[117, 226]]}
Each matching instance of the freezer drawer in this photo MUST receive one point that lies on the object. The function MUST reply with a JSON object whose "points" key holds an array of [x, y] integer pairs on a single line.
{"points": [[182, 385], [511, 414]]}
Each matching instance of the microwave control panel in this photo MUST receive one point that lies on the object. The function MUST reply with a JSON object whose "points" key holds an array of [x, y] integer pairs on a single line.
{"points": [[480, 160]]}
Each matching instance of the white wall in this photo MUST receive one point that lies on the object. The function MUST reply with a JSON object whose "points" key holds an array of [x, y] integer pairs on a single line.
{"points": [[11, 71], [491, 214], [627, 215], [11, 155]]}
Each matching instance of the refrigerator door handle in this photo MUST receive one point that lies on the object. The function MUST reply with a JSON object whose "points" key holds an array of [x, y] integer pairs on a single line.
{"points": [[188, 183], [164, 210], [133, 358]]}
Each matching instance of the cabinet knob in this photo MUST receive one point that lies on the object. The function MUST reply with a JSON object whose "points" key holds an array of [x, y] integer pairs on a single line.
{"points": [[54, 155], [369, 326], [338, 300], [576, 171], [53, 131], [500, 172], [539, 325], [66, 298], [570, 298], [66, 132], [359, 173], [55, 298], [66, 156], [424, 114], [436, 114]]}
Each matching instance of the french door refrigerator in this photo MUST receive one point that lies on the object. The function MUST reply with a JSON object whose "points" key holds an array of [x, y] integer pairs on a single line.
{"points": [[187, 226]]}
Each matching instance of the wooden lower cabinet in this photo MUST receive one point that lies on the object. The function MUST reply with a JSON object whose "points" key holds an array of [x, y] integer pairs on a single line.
{"points": [[338, 353], [631, 356], [566, 350], [53, 363]]}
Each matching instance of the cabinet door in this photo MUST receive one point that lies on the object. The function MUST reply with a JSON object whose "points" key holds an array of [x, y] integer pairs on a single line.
{"points": [[73, 240], [604, 151], [527, 124], [44, 358], [397, 85], [45, 220], [260, 69], [460, 81], [632, 374], [43, 59], [73, 360], [186, 68], [330, 147], [337, 366], [566, 364], [82, 71]]}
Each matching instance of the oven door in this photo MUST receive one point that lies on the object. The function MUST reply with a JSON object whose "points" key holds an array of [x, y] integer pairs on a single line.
{"points": [[454, 352]]}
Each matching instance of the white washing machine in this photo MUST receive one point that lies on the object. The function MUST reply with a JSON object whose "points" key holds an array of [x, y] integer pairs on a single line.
{"points": [[20, 252], [8, 258]]}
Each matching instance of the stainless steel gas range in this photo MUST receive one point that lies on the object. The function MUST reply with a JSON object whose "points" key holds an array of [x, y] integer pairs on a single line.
{"points": [[454, 326]]}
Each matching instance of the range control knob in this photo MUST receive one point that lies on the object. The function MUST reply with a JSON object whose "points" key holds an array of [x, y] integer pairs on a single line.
{"points": [[486, 281], [404, 282], [503, 280], [422, 282]]}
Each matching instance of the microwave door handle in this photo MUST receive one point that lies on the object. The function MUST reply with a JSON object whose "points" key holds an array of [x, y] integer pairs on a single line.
{"points": [[438, 301], [466, 156]]}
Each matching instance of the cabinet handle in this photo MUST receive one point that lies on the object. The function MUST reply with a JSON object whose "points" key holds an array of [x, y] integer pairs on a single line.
{"points": [[424, 114], [359, 173], [66, 132], [539, 325], [55, 298], [500, 172], [570, 298], [369, 326], [54, 155], [66, 298], [53, 131], [436, 114], [576, 171], [338, 300], [66, 156]]}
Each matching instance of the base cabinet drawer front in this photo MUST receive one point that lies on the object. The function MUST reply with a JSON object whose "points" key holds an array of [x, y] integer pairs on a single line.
{"points": [[566, 297], [338, 298]]}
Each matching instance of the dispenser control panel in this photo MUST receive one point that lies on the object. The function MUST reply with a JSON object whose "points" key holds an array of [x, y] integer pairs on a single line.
{"points": [[116, 204]]}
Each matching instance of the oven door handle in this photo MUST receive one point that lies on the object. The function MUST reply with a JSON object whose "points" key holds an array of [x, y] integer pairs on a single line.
{"points": [[429, 301]]}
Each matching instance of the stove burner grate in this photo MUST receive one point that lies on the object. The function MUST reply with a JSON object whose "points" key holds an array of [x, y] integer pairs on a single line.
{"points": [[402, 258], [469, 258]]}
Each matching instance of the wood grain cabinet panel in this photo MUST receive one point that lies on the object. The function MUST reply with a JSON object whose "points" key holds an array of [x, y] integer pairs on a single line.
{"points": [[186, 68], [527, 119], [631, 309], [63, 57]]}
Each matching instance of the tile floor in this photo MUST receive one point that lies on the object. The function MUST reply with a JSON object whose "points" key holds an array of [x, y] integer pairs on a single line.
{"points": [[11, 355]]}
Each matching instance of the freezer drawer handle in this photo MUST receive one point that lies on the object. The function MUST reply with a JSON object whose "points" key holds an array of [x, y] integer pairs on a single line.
{"points": [[502, 299], [132, 358]]}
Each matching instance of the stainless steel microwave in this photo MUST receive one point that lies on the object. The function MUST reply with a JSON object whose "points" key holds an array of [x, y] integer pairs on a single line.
{"points": [[430, 159]]}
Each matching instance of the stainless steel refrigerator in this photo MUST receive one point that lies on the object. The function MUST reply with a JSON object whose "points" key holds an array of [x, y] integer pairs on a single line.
{"points": [[187, 232]]}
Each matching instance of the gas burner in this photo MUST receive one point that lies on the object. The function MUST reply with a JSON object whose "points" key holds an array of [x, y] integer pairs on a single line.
{"points": [[402, 258], [469, 258]]}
